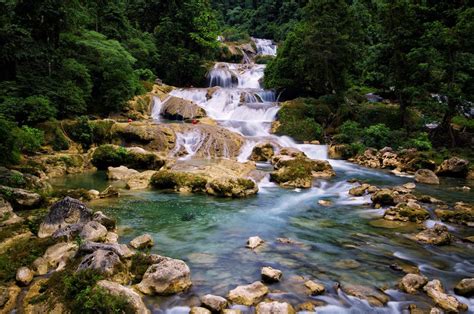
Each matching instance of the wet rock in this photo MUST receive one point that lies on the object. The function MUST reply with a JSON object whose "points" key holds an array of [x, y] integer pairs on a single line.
{"points": [[214, 303], [409, 185], [384, 197], [359, 190], [465, 287], [410, 211], [107, 263], [426, 176], [453, 167], [24, 276], [20, 198], [462, 213], [140, 180], [66, 212], [104, 220], [435, 291], [7, 216], [374, 296], [232, 311], [438, 235], [314, 287], [248, 295], [142, 242], [411, 283], [199, 310], [120, 173], [270, 274], [120, 249], [254, 242], [169, 276], [109, 192], [275, 307], [59, 254], [176, 108], [262, 152], [111, 237], [93, 231], [309, 306], [325, 203], [389, 160], [133, 299], [339, 151]]}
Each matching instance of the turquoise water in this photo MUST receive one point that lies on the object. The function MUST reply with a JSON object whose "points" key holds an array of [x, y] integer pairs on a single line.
{"points": [[336, 244]]}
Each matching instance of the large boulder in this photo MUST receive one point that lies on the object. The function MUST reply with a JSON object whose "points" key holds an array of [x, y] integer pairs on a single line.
{"points": [[20, 198], [107, 263], [339, 151], [374, 296], [453, 167], [411, 283], [438, 235], [167, 277], [133, 299], [93, 231], [384, 197], [59, 254], [7, 216], [108, 155], [465, 287], [120, 173], [359, 190], [248, 295], [66, 212], [434, 289], [275, 307], [214, 303], [262, 152], [410, 211], [426, 176], [175, 108], [140, 180], [142, 242]]}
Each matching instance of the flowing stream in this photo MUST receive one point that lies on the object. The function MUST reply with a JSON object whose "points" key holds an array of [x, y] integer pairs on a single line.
{"points": [[346, 242]]}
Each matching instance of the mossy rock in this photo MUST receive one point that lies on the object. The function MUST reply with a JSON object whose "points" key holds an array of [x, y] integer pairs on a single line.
{"points": [[113, 156], [173, 180], [295, 172]]}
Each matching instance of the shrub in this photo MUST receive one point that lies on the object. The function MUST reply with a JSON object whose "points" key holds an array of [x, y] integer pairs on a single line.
{"points": [[145, 75], [30, 139], [59, 141], [81, 131], [109, 156], [420, 142], [8, 143], [377, 136], [465, 123], [349, 132], [175, 180]]}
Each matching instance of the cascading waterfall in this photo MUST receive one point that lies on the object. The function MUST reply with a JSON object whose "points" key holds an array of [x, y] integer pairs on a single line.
{"points": [[265, 47]]}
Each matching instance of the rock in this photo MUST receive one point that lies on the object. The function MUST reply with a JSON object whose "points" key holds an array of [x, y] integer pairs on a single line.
{"points": [[270, 274], [232, 311], [199, 310], [120, 249], [107, 263], [109, 192], [438, 235], [140, 180], [410, 211], [104, 220], [411, 283], [359, 190], [176, 108], [465, 287], [339, 151], [133, 299], [309, 306], [462, 213], [409, 185], [230, 187], [120, 173], [374, 296], [169, 276], [20, 198], [314, 287], [453, 167], [93, 194], [142, 242], [384, 197], [40, 266], [66, 212], [254, 242], [262, 152], [275, 307], [248, 295], [58, 254], [93, 231], [24, 276], [68, 233], [7, 216], [325, 203], [8, 298], [111, 237], [214, 303], [389, 160], [448, 303], [426, 176]]}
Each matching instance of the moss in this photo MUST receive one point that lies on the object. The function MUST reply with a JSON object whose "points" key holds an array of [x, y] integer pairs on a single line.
{"points": [[23, 253], [175, 180], [113, 156], [139, 265], [298, 168], [246, 183], [413, 214]]}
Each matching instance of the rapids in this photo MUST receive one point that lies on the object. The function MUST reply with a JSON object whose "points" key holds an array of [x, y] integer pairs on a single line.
{"points": [[346, 242]]}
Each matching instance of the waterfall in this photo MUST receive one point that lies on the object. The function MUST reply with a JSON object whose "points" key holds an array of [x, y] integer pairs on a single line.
{"points": [[265, 47]]}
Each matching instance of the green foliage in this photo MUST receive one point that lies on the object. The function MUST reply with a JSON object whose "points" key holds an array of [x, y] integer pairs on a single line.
{"points": [[348, 132], [88, 132], [30, 110], [29, 140], [377, 136], [174, 180], [464, 123], [8, 143], [113, 156], [420, 142]]}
